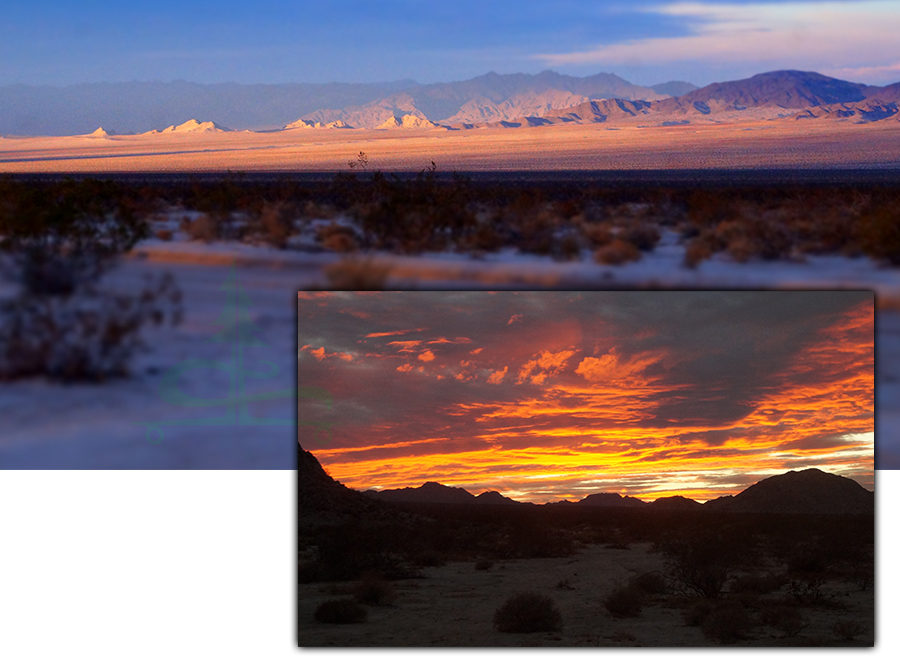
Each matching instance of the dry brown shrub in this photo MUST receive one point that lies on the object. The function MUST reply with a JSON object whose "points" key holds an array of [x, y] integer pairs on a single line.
{"points": [[373, 589], [699, 249], [164, 235], [357, 274], [335, 237], [204, 228], [618, 252], [624, 602], [340, 611], [527, 613]]}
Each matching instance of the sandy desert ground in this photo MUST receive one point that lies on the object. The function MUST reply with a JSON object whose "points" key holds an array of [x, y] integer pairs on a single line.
{"points": [[783, 143], [454, 605]]}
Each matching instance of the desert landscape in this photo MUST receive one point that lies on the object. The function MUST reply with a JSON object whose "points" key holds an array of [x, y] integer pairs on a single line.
{"points": [[592, 474], [783, 119], [665, 576]]}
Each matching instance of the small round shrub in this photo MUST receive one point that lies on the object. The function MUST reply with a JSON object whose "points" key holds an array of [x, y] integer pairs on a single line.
{"points": [[618, 252], [484, 564], [373, 589], [651, 582], [340, 611], [727, 622], [624, 602], [527, 613]]}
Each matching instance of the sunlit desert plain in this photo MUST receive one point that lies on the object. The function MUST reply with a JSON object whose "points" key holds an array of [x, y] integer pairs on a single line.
{"points": [[782, 143]]}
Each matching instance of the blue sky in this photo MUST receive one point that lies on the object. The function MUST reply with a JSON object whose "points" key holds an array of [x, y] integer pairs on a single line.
{"points": [[273, 41]]}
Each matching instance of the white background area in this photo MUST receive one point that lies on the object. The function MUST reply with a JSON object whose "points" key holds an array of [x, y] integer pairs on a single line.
{"points": [[142, 569]]}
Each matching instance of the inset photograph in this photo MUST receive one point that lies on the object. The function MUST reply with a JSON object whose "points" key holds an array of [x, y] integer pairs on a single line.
{"points": [[586, 469]]}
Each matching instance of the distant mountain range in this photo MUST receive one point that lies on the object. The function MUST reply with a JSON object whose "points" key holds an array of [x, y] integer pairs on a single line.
{"points": [[805, 492], [512, 100]]}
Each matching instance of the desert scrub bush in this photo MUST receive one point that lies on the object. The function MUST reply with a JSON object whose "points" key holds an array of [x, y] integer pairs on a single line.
{"points": [[848, 629], [785, 619], [374, 589], [624, 602], [164, 235], [644, 236], [274, 224], [527, 613], [88, 335], [727, 622], [356, 274], [880, 233], [757, 583], [484, 564], [340, 611], [697, 611], [700, 563], [204, 228], [617, 252], [335, 237], [61, 236], [653, 583]]}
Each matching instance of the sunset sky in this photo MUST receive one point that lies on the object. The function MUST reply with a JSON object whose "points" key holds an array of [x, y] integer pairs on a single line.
{"points": [[275, 41], [555, 395]]}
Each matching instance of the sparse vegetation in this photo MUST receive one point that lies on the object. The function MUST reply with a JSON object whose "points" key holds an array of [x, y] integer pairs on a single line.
{"points": [[340, 611], [624, 601], [527, 613]]}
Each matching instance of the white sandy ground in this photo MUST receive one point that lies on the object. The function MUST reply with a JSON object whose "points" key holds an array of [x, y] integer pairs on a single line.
{"points": [[454, 606], [47, 425]]}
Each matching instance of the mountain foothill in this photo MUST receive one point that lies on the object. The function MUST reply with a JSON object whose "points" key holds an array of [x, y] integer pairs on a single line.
{"points": [[809, 491], [492, 100]]}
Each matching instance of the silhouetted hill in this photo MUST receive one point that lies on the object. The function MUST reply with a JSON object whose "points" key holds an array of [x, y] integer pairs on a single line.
{"points": [[429, 492], [610, 500], [494, 498], [805, 492], [432, 492], [678, 503], [321, 500]]}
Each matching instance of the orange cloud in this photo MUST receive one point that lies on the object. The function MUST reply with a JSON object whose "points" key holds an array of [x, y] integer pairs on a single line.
{"points": [[497, 376], [318, 353], [545, 365], [611, 366], [426, 356]]}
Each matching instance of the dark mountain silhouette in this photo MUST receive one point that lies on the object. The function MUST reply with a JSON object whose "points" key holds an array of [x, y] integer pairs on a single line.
{"points": [[494, 498], [678, 503], [432, 492], [429, 492], [610, 500], [322, 500], [805, 492]]}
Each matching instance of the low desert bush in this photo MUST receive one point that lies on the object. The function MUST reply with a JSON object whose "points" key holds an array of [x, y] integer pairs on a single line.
{"points": [[335, 237], [274, 224], [697, 612], [356, 274], [527, 613], [164, 235], [848, 629], [727, 622], [617, 252], [340, 611], [653, 583], [624, 602], [644, 236], [88, 335], [373, 589], [786, 619], [204, 228], [484, 564]]}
